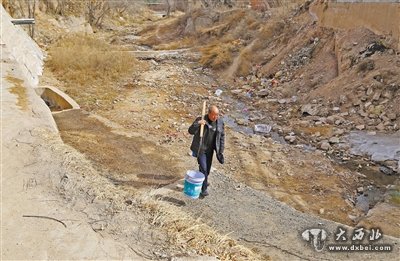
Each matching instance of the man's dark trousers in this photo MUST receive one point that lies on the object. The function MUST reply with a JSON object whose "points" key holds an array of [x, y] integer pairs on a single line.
{"points": [[205, 161]]}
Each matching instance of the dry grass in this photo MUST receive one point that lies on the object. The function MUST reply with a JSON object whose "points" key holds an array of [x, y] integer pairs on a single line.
{"points": [[81, 59], [186, 232], [90, 68], [218, 55]]}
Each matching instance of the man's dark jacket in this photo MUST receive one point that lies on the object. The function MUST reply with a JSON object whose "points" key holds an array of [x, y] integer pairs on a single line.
{"points": [[194, 129]]}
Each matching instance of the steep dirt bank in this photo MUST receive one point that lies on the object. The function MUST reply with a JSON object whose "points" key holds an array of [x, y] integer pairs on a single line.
{"points": [[354, 15]]}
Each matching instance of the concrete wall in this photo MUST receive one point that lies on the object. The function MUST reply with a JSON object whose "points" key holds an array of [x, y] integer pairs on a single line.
{"points": [[383, 17], [22, 49]]}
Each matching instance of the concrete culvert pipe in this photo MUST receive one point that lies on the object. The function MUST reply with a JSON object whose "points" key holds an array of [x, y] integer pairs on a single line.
{"points": [[56, 99]]}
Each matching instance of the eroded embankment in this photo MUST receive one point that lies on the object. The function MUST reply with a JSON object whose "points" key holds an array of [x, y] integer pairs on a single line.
{"points": [[376, 16]]}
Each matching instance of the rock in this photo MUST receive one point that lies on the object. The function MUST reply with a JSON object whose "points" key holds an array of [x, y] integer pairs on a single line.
{"points": [[352, 111], [309, 109], [241, 122], [349, 202], [262, 128], [321, 211], [154, 62], [353, 218], [263, 93], [386, 170], [361, 88], [343, 99], [376, 96], [338, 132], [384, 118], [330, 119], [360, 127], [336, 109], [373, 116], [278, 74], [290, 138], [387, 94], [370, 91], [338, 122], [237, 91], [334, 140], [357, 102], [384, 101], [371, 122], [360, 189], [324, 112], [325, 145], [380, 127], [367, 104], [392, 116], [282, 101]]}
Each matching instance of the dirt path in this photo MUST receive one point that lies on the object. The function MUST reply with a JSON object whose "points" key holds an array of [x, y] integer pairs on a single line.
{"points": [[131, 162], [263, 223]]}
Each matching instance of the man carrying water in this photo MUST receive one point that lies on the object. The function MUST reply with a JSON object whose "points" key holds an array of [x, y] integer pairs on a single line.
{"points": [[213, 139]]}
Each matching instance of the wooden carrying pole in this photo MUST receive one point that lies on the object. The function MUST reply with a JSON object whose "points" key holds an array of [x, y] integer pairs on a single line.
{"points": [[203, 113]]}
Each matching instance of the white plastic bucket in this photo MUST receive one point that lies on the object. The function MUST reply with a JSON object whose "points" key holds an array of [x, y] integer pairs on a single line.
{"points": [[193, 183]]}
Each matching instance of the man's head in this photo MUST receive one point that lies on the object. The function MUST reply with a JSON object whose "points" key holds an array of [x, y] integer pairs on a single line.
{"points": [[213, 113]]}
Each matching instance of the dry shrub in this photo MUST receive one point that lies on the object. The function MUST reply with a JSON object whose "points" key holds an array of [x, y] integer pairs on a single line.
{"points": [[81, 59], [186, 232], [90, 68], [218, 55]]}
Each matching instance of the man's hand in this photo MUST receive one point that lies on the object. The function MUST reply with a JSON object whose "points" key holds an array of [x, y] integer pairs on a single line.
{"points": [[202, 122]]}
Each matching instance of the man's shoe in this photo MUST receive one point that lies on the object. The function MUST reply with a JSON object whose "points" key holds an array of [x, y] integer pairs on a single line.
{"points": [[204, 193]]}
